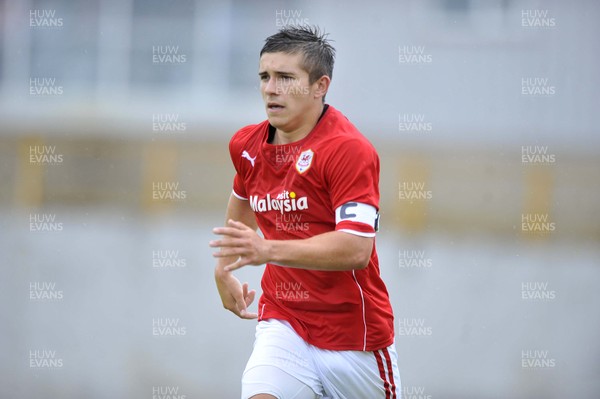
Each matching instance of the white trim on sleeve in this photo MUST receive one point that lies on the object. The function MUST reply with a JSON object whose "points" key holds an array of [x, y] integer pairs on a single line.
{"points": [[238, 196], [357, 233]]}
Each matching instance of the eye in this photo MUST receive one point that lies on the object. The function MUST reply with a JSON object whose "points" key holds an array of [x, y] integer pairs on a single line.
{"points": [[264, 77]]}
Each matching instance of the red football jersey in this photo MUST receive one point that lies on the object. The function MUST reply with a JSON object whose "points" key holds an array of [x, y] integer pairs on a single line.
{"points": [[295, 190]]}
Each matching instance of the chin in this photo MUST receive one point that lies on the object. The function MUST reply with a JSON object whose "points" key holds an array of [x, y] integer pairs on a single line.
{"points": [[276, 122]]}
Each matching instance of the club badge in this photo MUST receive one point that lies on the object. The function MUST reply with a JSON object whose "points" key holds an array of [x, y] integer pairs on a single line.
{"points": [[304, 161]]}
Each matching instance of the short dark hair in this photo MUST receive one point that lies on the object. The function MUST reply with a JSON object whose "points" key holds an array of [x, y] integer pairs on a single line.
{"points": [[318, 54]]}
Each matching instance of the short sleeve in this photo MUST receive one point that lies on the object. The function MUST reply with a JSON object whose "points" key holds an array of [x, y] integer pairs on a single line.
{"points": [[239, 189], [353, 177]]}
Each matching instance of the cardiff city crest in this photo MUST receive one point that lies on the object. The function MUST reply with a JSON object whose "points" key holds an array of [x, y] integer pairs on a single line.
{"points": [[304, 160]]}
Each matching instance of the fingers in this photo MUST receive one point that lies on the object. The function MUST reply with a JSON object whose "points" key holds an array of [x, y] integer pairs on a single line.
{"points": [[248, 315], [238, 225], [248, 297], [239, 263], [235, 229], [227, 248], [229, 252], [238, 241], [231, 237], [228, 243], [228, 232]]}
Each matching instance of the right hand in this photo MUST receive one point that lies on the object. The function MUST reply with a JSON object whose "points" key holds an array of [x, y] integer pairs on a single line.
{"points": [[234, 295]]}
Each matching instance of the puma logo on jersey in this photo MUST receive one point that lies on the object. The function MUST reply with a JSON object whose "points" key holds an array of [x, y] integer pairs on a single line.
{"points": [[248, 157]]}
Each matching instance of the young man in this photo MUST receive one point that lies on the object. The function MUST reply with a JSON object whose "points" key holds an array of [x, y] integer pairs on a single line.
{"points": [[309, 180]]}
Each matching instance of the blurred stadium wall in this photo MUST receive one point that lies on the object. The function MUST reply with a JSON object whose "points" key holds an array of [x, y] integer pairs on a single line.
{"points": [[115, 118], [456, 95]]}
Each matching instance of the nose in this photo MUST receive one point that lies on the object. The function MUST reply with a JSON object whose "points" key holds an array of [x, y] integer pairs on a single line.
{"points": [[270, 86]]}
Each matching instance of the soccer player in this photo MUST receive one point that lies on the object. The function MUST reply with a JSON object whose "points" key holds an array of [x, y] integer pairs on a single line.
{"points": [[309, 180]]}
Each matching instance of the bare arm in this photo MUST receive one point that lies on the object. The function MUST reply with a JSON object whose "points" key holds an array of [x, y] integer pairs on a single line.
{"points": [[234, 295], [333, 250]]}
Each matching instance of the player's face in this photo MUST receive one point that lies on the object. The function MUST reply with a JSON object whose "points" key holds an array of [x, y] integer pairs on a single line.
{"points": [[286, 91]]}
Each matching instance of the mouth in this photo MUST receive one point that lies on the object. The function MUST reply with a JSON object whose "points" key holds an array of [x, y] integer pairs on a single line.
{"points": [[274, 107]]}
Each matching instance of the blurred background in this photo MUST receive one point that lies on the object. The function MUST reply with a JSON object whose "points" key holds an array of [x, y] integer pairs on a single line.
{"points": [[115, 118]]}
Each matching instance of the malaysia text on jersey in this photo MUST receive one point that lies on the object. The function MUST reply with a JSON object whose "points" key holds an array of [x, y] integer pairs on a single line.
{"points": [[327, 181]]}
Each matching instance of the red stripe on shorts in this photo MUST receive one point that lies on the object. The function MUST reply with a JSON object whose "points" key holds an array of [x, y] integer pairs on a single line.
{"points": [[386, 385], [388, 361]]}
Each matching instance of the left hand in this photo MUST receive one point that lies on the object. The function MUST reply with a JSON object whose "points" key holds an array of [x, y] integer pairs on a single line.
{"points": [[240, 240]]}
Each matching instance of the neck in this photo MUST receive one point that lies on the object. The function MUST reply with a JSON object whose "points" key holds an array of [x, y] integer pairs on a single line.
{"points": [[287, 137]]}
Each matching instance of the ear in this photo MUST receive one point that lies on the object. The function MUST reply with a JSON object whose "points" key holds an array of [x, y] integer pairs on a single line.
{"points": [[322, 85]]}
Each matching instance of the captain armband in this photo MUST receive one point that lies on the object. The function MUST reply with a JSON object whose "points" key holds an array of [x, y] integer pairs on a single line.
{"points": [[357, 212]]}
